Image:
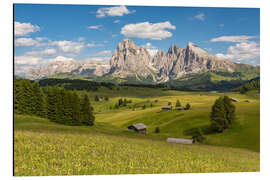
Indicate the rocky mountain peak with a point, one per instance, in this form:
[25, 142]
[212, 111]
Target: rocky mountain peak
[130, 60]
[192, 47]
[126, 44]
[174, 49]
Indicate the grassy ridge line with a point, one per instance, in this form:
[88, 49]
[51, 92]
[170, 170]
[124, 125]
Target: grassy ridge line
[41, 150]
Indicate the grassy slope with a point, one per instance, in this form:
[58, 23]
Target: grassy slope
[245, 133]
[45, 148]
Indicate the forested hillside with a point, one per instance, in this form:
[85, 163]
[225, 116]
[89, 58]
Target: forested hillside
[55, 103]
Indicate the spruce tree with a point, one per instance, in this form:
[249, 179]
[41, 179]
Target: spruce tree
[218, 115]
[87, 112]
[76, 109]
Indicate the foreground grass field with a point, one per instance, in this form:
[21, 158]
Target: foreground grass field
[45, 148]
[51, 149]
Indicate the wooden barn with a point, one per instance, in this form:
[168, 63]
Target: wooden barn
[181, 140]
[166, 108]
[140, 128]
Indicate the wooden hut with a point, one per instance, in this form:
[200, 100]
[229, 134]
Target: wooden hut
[234, 100]
[140, 128]
[166, 108]
[181, 140]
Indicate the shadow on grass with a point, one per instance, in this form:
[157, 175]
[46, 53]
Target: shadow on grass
[206, 130]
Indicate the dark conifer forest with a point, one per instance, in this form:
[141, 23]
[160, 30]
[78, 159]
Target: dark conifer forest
[53, 102]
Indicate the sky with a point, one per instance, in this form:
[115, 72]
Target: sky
[46, 33]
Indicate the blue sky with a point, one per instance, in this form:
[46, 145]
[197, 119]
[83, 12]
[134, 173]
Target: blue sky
[45, 33]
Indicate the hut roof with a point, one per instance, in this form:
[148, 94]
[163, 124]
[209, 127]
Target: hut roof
[166, 107]
[180, 140]
[139, 126]
[235, 100]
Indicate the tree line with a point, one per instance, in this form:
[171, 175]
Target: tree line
[253, 84]
[55, 103]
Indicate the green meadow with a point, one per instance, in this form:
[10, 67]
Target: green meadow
[42, 147]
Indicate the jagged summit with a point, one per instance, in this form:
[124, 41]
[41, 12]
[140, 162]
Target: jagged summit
[129, 60]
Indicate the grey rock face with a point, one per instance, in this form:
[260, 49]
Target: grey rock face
[130, 60]
[179, 62]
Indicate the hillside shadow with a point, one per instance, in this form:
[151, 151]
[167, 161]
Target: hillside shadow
[206, 130]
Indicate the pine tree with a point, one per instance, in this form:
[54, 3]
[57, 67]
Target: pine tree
[178, 104]
[87, 112]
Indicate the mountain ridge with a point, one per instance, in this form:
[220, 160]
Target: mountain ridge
[129, 60]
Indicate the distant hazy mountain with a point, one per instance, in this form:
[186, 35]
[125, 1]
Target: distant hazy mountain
[131, 61]
[96, 68]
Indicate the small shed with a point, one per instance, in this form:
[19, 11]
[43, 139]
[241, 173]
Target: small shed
[181, 108]
[234, 100]
[247, 101]
[140, 128]
[156, 100]
[166, 108]
[181, 141]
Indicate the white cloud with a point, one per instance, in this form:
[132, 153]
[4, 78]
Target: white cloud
[68, 46]
[98, 59]
[200, 16]
[149, 45]
[94, 27]
[146, 30]
[22, 29]
[41, 38]
[242, 51]
[61, 58]
[27, 60]
[152, 52]
[116, 21]
[114, 35]
[26, 42]
[242, 38]
[94, 45]
[113, 11]
[103, 53]
[45, 52]
[151, 49]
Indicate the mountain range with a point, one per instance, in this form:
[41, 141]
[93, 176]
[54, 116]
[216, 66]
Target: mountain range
[131, 61]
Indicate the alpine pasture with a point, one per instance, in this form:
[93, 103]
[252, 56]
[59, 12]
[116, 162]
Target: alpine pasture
[42, 147]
